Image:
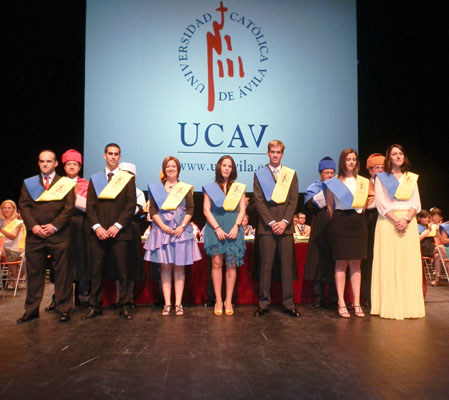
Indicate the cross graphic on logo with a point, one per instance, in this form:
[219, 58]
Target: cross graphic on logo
[215, 44]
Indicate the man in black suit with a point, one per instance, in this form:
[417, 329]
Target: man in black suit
[275, 229]
[109, 217]
[48, 233]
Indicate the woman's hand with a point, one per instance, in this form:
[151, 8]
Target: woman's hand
[220, 234]
[401, 225]
[167, 229]
[178, 231]
[233, 232]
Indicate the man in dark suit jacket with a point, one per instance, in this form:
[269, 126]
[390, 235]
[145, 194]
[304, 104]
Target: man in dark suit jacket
[111, 231]
[275, 231]
[48, 233]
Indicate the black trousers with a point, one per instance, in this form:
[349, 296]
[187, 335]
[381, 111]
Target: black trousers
[99, 250]
[36, 254]
[282, 248]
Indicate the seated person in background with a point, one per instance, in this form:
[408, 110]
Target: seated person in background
[443, 238]
[12, 229]
[427, 233]
[301, 228]
[436, 218]
[247, 229]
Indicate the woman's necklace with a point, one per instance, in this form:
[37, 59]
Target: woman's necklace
[169, 185]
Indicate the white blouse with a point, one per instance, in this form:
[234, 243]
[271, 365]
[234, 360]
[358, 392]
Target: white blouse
[385, 203]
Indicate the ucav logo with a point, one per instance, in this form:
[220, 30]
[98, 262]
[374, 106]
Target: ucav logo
[235, 51]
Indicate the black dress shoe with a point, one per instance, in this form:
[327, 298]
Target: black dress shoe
[92, 313]
[317, 302]
[293, 312]
[124, 313]
[261, 312]
[27, 317]
[65, 316]
[50, 307]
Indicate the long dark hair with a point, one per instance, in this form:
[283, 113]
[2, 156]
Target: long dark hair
[342, 163]
[219, 178]
[389, 165]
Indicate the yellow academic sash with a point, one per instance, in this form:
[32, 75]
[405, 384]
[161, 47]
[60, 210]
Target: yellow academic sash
[282, 186]
[175, 197]
[58, 191]
[361, 192]
[406, 186]
[115, 185]
[233, 196]
[433, 231]
[11, 226]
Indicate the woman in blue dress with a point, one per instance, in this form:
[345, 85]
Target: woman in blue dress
[171, 242]
[223, 235]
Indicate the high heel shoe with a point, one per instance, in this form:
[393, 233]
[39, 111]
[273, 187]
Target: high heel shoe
[166, 310]
[218, 311]
[179, 310]
[358, 311]
[343, 312]
[229, 311]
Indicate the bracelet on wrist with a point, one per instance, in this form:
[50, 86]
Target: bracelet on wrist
[218, 227]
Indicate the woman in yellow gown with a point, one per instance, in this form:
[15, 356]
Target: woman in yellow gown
[396, 290]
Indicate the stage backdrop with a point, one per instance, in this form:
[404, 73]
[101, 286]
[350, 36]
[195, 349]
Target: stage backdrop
[201, 78]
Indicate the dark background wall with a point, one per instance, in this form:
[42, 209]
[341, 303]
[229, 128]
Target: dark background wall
[403, 64]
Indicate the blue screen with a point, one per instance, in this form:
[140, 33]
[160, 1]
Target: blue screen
[199, 79]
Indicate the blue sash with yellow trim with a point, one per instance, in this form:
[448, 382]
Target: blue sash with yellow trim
[340, 190]
[266, 181]
[34, 187]
[215, 193]
[99, 181]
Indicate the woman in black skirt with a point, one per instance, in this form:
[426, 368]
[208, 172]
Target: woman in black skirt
[349, 233]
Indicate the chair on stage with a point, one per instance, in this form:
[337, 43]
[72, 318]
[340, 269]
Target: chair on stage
[444, 263]
[6, 276]
[429, 268]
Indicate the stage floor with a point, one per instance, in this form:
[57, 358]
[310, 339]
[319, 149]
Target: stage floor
[201, 356]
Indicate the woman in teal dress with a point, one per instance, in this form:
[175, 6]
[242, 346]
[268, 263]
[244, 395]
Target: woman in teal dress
[223, 235]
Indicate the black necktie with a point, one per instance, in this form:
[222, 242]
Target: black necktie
[110, 175]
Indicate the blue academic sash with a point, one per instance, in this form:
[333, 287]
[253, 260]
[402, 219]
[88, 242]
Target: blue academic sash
[315, 188]
[215, 193]
[157, 190]
[34, 187]
[266, 181]
[445, 226]
[390, 182]
[421, 228]
[99, 181]
[340, 190]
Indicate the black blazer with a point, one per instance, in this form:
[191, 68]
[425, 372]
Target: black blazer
[107, 212]
[57, 213]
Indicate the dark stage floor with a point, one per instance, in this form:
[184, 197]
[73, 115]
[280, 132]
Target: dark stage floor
[201, 356]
